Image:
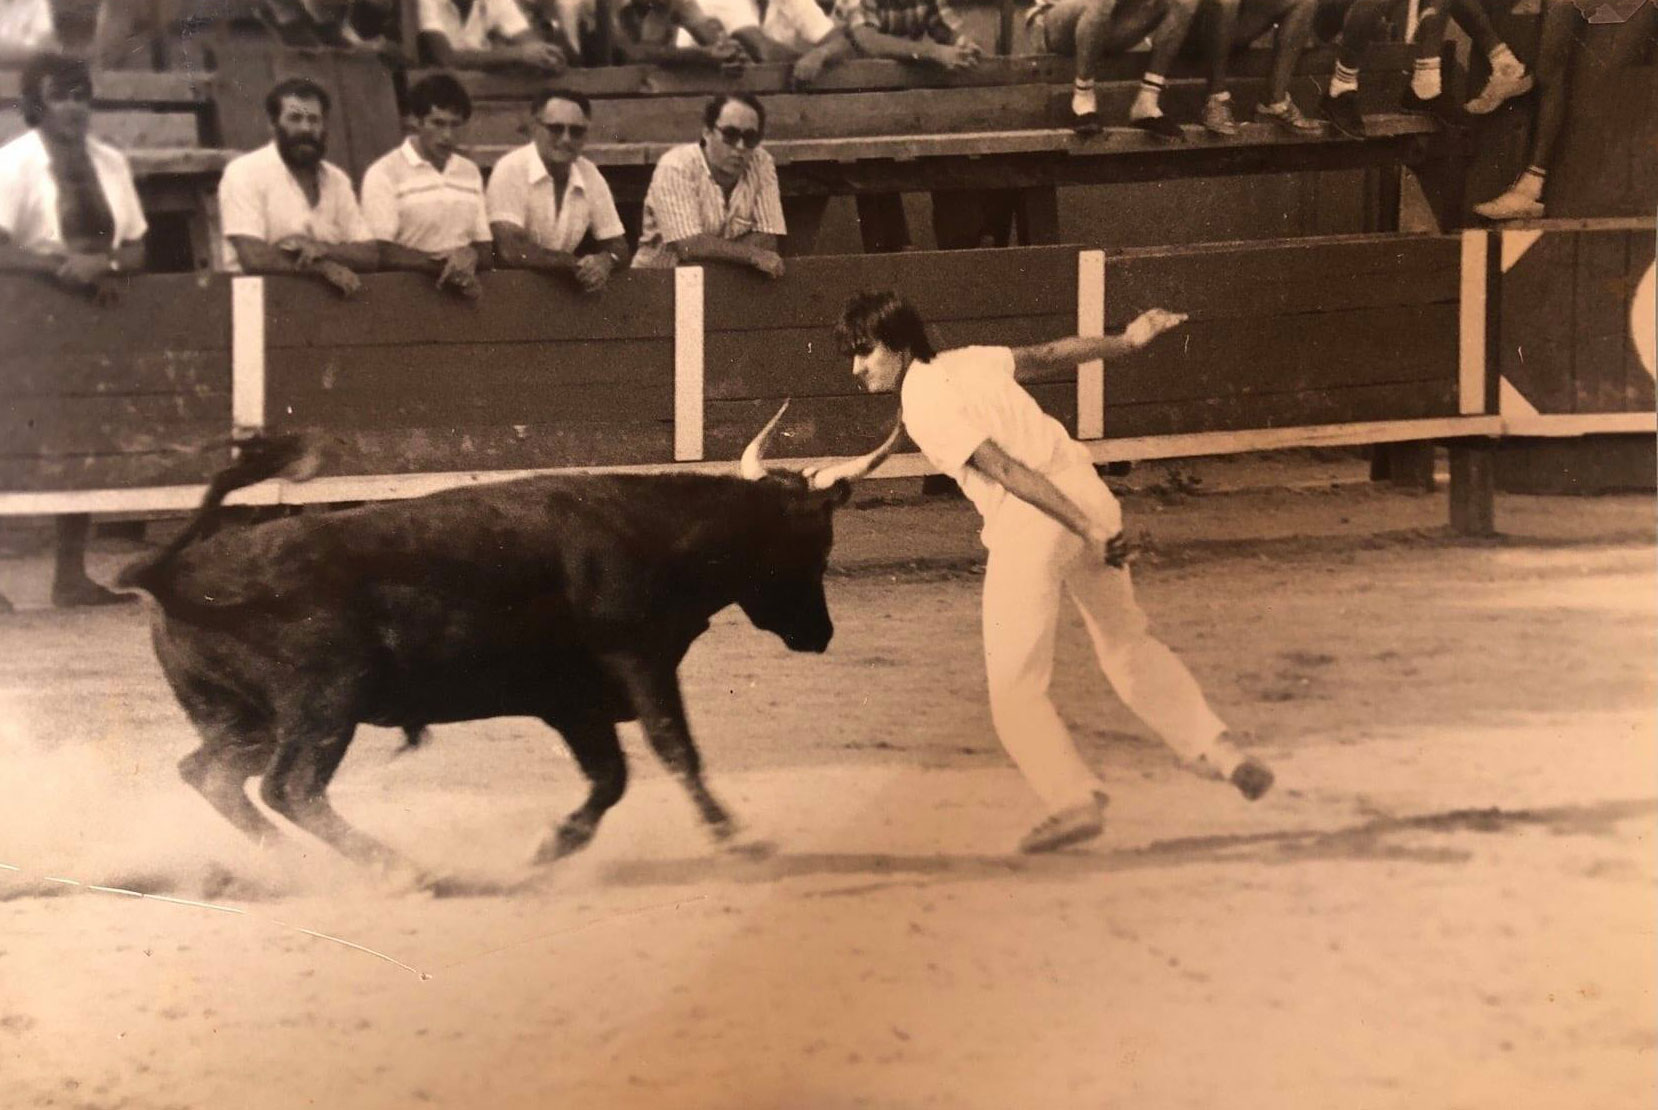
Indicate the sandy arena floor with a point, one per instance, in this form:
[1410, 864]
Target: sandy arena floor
[1448, 902]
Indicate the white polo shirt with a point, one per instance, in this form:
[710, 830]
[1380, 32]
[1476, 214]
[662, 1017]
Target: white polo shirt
[966, 396]
[29, 194]
[499, 17]
[522, 193]
[684, 200]
[259, 198]
[408, 200]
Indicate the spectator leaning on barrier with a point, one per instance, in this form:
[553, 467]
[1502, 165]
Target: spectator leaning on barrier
[483, 34]
[286, 211]
[805, 33]
[423, 201]
[716, 200]
[927, 32]
[68, 211]
[646, 32]
[546, 200]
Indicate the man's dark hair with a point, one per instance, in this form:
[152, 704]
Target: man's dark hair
[716, 104]
[299, 88]
[63, 71]
[882, 316]
[440, 90]
[578, 99]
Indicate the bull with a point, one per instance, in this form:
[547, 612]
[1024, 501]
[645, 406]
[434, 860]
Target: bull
[571, 598]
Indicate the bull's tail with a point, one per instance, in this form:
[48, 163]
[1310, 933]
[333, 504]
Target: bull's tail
[257, 458]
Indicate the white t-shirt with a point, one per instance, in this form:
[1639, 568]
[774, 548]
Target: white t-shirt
[29, 194]
[259, 198]
[408, 200]
[796, 24]
[522, 192]
[967, 396]
[499, 17]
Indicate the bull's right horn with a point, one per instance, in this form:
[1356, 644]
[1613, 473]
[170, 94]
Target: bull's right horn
[752, 467]
[852, 469]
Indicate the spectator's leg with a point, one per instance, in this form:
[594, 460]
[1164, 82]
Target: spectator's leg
[1081, 29]
[1524, 199]
[1217, 28]
[1426, 80]
[70, 584]
[1166, 41]
[1295, 28]
[1508, 77]
[1362, 26]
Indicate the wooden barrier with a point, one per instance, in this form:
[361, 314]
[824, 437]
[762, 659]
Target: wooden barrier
[1352, 340]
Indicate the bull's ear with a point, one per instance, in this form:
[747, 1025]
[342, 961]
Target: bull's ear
[835, 496]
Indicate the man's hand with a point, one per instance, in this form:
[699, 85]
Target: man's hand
[83, 271]
[807, 70]
[730, 56]
[460, 272]
[767, 262]
[307, 252]
[543, 56]
[962, 56]
[1110, 550]
[339, 277]
[593, 271]
[1151, 324]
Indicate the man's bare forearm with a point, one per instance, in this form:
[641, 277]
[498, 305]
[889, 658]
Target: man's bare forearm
[1029, 485]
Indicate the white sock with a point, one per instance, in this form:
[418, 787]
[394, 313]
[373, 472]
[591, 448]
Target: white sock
[1424, 78]
[1146, 102]
[1502, 58]
[1082, 97]
[1344, 80]
[1531, 182]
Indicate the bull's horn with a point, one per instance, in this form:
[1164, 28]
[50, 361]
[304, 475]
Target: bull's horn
[752, 467]
[853, 469]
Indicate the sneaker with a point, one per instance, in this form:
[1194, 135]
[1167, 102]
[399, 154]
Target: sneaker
[1252, 778]
[1512, 205]
[1505, 84]
[1075, 825]
[1440, 107]
[1343, 113]
[1086, 124]
[1217, 116]
[1287, 117]
[1161, 127]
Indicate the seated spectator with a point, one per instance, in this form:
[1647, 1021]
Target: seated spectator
[926, 32]
[546, 200]
[1365, 21]
[26, 29]
[483, 34]
[1223, 26]
[646, 30]
[424, 203]
[286, 211]
[802, 32]
[69, 212]
[716, 200]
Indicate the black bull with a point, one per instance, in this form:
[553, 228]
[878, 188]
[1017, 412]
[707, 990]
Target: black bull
[570, 598]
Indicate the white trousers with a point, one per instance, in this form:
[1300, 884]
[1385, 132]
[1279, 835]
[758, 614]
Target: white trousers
[1032, 558]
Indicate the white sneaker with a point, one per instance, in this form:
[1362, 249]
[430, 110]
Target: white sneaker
[1505, 84]
[1512, 205]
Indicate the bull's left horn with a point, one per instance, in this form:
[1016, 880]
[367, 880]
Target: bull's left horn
[752, 466]
[853, 469]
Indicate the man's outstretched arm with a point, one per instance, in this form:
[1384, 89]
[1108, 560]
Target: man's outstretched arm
[1036, 362]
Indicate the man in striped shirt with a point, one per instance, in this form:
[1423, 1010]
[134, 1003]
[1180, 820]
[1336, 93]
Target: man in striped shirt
[424, 202]
[923, 31]
[716, 200]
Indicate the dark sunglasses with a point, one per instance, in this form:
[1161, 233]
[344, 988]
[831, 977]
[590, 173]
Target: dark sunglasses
[735, 135]
[578, 131]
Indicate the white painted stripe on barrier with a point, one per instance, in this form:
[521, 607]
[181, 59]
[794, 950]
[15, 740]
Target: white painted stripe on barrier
[247, 352]
[1511, 403]
[688, 364]
[1091, 321]
[392, 486]
[1582, 424]
[1471, 342]
[1516, 244]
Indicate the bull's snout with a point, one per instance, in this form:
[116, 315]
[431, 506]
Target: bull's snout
[814, 641]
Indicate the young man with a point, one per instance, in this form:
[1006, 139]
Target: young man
[483, 34]
[1050, 524]
[546, 200]
[716, 200]
[423, 201]
[284, 210]
[921, 32]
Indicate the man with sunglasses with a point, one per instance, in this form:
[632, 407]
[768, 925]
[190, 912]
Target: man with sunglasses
[716, 200]
[546, 201]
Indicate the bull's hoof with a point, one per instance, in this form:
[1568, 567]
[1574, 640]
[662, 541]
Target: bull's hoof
[570, 838]
[733, 840]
